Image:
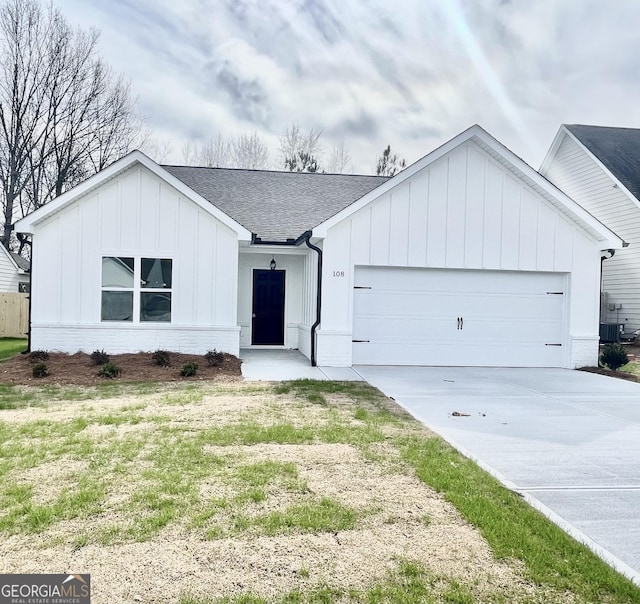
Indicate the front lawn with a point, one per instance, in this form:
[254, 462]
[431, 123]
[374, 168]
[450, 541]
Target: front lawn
[299, 492]
[10, 347]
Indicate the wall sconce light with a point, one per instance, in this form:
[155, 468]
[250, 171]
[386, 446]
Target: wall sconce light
[272, 264]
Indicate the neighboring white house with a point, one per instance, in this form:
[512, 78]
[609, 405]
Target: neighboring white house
[599, 167]
[467, 257]
[14, 272]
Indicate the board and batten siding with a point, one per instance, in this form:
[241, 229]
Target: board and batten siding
[135, 214]
[582, 178]
[309, 299]
[464, 211]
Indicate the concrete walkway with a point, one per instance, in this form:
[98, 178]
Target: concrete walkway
[568, 441]
[275, 365]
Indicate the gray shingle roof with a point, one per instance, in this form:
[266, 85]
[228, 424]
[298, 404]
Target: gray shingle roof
[21, 261]
[276, 206]
[617, 148]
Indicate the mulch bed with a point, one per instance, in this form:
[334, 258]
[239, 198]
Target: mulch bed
[80, 369]
[633, 352]
[616, 374]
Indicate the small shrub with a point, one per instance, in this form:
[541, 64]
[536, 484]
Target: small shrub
[38, 356]
[614, 356]
[109, 370]
[40, 370]
[161, 358]
[214, 358]
[189, 369]
[99, 357]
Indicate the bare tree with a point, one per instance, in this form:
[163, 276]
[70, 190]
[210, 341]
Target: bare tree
[300, 151]
[63, 114]
[24, 70]
[389, 164]
[215, 153]
[189, 153]
[250, 151]
[339, 160]
[158, 149]
[116, 123]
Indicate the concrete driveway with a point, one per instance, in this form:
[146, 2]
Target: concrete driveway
[569, 441]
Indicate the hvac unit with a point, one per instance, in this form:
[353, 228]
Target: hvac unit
[610, 332]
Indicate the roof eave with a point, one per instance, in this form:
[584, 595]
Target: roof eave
[289, 241]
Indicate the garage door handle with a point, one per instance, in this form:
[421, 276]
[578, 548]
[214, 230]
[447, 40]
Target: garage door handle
[460, 322]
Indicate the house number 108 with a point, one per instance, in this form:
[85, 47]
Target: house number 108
[338, 273]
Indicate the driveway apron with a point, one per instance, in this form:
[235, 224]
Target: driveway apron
[568, 441]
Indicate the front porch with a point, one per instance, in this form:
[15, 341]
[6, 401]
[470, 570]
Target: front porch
[277, 297]
[275, 365]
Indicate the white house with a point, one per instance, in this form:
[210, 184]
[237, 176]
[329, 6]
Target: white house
[467, 257]
[14, 271]
[599, 167]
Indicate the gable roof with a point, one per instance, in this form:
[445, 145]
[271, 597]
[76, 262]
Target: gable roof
[617, 149]
[26, 224]
[276, 206]
[518, 167]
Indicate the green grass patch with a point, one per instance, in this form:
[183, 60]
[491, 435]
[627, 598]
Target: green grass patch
[10, 347]
[18, 397]
[124, 417]
[251, 432]
[514, 529]
[323, 515]
[409, 583]
[23, 515]
[191, 394]
[262, 473]
[632, 367]
[315, 391]
[12, 397]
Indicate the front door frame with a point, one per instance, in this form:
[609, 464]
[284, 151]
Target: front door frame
[280, 339]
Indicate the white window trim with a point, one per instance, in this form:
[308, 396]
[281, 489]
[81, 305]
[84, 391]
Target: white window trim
[137, 288]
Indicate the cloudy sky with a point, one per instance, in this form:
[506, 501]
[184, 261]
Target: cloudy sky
[409, 73]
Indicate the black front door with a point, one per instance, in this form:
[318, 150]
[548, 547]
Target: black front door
[267, 326]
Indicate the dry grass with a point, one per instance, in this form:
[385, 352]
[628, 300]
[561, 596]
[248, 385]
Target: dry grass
[194, 493]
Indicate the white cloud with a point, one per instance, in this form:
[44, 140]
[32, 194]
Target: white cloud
[373, 74]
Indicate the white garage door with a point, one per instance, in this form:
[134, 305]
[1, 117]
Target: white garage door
[404, 316]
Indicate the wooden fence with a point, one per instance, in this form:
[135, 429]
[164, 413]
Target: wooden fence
[14, 315]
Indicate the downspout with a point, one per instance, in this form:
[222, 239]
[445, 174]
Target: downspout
[30, 297]
[314, 327]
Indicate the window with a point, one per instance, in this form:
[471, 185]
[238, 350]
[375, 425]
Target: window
[136, 287]
[155, 280]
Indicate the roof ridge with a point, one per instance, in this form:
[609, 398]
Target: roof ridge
[263, 171]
